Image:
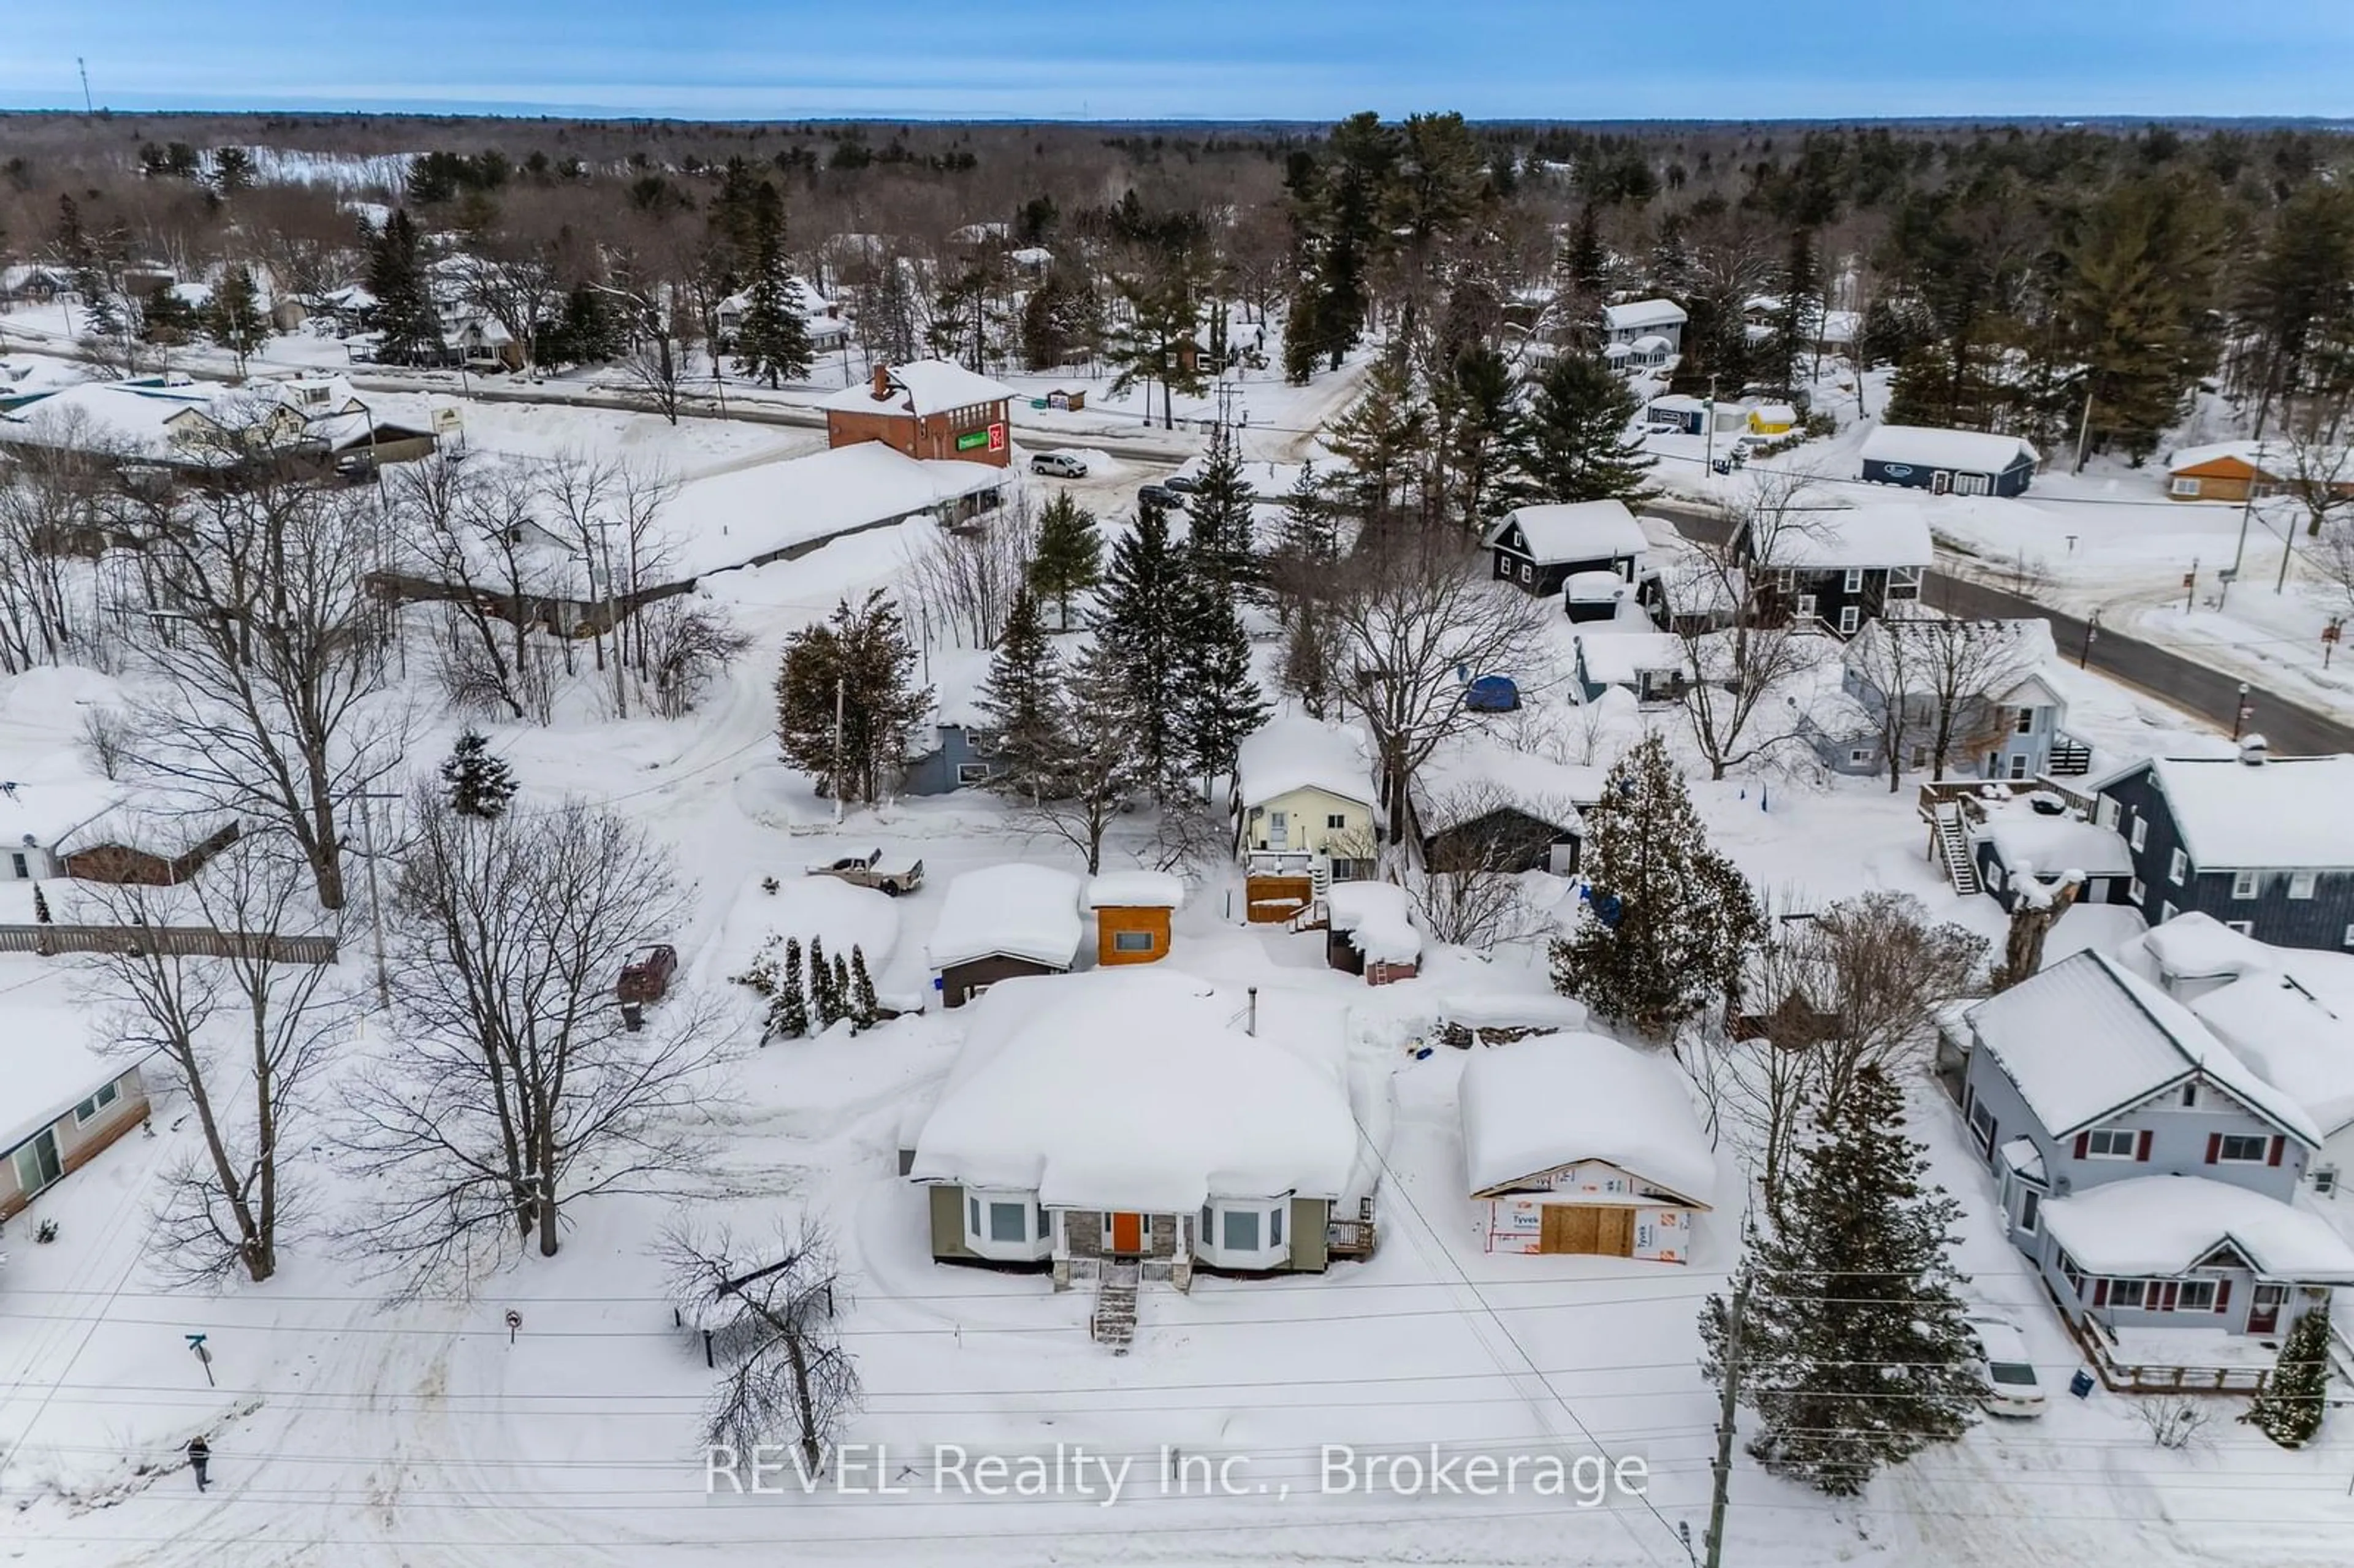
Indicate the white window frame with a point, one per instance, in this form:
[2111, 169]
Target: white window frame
[2138, 834]
[2141, 1295]
[2182, 487]
[1904, 582]
[2223, 1155]
[2245, 884]
[1119, 942]
[972, 773]
[2165, 912]
[2182, 1301]
[2031, 1210]
[1983, 1136]
[2135, 892]
[1850, 620]
[1853, 581]
[2177, 866]
[2100, 1143]
[2244, 928]
[87, 1110]
[2301, 884]
[1336, 822]
[1037, 1226]
[1858, 755]
[1274, 1216]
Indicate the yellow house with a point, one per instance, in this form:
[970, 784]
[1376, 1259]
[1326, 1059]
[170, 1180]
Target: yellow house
[1305, 795]
[1773, 420]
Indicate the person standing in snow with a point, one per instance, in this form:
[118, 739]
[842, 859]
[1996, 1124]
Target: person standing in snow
[200, 1455]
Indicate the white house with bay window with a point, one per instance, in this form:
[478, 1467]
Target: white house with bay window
[2148, 1171]
[1139, 1117]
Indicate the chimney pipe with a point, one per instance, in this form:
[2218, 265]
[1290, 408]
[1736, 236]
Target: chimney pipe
[882, 381]
[1251, 1027]
[2254, 750]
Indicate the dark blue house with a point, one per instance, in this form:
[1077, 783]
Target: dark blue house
[1958, 462]
[2264, 844]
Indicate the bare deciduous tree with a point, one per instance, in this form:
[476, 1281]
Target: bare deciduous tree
[686, 643]
[1469, 892]
[239, 1034]
[1879, 965]
[961, 584]
[269, 700]
[515, 1088]
[1959, 668]
[1741, 658]
[772, 1320]
[1405, 619]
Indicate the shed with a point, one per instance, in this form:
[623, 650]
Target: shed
[1538, 547]
[1688, 414]
[1002, 921]
[1773, 420]
[1132, 911]
[1964, 462]
[1370, 932]
[1574, 1143]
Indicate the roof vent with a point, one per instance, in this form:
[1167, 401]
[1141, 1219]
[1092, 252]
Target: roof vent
[2254, 750]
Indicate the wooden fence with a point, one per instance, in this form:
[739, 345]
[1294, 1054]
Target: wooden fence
[184, 941]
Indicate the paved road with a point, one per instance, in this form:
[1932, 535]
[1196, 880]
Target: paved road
[2293, 729]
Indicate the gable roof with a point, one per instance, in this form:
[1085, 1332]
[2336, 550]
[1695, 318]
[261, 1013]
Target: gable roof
[1924, 446]
[921, 386]
[1132, 1088]
[2088, 1038]
[55, 1051]
[1638, 313]
[2011, 653]
[1292, 751]
[2166, 1224]
[1573, 531]
[1551, 1100]
[2283, 813]
[1019, 910]
[1468, 774]
[1889, 534]
[2241, 454]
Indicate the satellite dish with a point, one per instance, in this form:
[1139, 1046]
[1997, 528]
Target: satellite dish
[32, 843]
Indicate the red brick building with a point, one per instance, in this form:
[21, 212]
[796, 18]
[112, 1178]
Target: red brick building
[930, 409]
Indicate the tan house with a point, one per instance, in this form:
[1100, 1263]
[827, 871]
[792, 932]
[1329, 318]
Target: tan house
[1304, 797]
[1574, 1143]
[64, 1101]
[928, 409]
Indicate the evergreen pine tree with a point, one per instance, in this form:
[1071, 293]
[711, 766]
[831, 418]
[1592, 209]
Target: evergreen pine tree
[1381, 443]
[837, 986]
[788, 1014]
[1670, 921]
[863, 657]
[822, 1001]
[1480, 394]
[865, 1010]
[1103, 768]
[1141, 612]
[1853, 1346]
[41, 915]
[1069, 556]
[1798, 323]
[1307, 546]
[165, 318]
[1021, 700]
[1218, 701]
[406, 326]
[2289, 1407]
[773, 342]
[233, 318]
[1572, 442]
[1221, 539]
[478, 781]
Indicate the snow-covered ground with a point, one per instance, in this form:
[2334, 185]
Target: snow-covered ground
[347, 1430]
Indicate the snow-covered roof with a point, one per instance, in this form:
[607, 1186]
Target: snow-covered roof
[1652, 343]
[136, 419]
[1635, 315]
[1468, 772]
[1924, 446]
[732, 518]
[2196, 946]
[1573, 531]
[1619, 658]
[1775, 414]
[1513, 1009]
[1597, 587]
[2248, 452]
[1136, 890]
[1551, 1100]
[52, 1054]
[2052, 845]
[2005, 653]
[1886, 534]
[1136, 1088]
[2284, 813]
[2166, 1224]
[1293, 751]
[2299, 1044]
[1018, 910]
[1377, 919]
[2087, 1038]
[921, 386]
[1678, 403]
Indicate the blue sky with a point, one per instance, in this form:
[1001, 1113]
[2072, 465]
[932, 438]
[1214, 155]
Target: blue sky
[1310, 59]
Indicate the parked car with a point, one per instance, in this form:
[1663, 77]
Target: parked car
[1061, 465]
[871, 870]
[2010, 1385]
[1159, 495]
[648, 973]
[1182, 483]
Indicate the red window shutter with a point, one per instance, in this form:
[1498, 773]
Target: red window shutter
[2222, 1295]
[2100, 1293]
[2273, 1157]
[2214, 1147]
[2165, 1300]
[2141, 1149]
[2084, 1143]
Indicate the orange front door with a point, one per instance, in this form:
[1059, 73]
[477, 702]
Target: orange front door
[1128, 1232]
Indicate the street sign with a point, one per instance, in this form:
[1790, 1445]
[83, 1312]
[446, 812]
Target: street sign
[446, 421]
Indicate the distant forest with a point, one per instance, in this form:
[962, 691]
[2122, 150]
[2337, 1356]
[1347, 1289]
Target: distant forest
[2069, 282]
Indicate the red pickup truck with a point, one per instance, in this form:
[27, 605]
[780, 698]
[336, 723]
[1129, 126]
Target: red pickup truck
[648, 973]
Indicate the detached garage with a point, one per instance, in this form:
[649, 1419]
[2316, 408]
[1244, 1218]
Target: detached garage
[1577, 1144]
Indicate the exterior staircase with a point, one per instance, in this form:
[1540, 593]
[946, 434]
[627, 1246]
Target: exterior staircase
[2071, 757]
[1113, 1321]
[1954, 848]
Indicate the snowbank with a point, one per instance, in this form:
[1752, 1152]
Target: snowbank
[1136, 890]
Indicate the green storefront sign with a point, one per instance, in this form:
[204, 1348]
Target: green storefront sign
[972, 438]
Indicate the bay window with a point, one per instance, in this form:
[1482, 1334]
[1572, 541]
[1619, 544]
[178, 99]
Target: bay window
[1244, 1232]
[1007, 1227]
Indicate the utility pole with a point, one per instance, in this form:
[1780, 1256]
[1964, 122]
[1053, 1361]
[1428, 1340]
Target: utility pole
[375, 902]
[840, 690]
[2247, 506]
[82, 66]
[1722, 1469]
[1708, 424]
